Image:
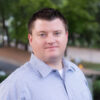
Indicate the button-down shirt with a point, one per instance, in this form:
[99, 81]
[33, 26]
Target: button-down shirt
[35, 80]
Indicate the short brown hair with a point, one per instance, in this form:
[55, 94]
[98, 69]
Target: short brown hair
[46, 14]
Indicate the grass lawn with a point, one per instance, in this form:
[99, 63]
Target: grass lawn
[93, 66]
[96, 83]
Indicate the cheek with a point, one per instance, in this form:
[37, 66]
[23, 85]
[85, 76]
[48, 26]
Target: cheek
[64, 39]
[34, 44]
[64, 43]
[37, 45]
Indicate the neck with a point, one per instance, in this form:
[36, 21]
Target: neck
[55, 65]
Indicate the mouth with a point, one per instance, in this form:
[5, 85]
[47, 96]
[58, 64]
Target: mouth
[51, 47]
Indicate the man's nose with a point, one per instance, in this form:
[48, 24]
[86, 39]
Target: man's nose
[50, 39]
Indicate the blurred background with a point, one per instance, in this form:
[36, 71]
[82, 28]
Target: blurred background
[84, 35]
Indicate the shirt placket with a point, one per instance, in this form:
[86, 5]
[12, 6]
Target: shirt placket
[67, 86]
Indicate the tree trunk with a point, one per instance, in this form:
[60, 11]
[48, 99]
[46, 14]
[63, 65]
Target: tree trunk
[16, 43]
[26, 46]
[5, 28]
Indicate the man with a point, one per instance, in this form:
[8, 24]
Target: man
[48, 75]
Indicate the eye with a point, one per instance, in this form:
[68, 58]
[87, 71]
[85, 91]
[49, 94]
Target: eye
[57, 33]
[42, 35]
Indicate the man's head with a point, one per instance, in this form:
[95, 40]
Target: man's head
[46, 14]
[48, 35]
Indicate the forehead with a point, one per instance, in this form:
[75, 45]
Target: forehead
[49, 24]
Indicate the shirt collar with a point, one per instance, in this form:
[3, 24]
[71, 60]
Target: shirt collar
[68, 66]
[44, 69]
[40, 66]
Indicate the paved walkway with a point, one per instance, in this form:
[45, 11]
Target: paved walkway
[84, 54]
[14, 55]
[19, 57]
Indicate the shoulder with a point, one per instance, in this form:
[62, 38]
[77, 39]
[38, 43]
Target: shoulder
[18, 77]
[77, 71]
[73, 65]
[15, 83]
[12, 84]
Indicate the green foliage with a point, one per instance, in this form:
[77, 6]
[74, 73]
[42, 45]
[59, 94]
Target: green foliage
[82, 22]
[96, 90]
[5, 8]
[83, 18]
[21, 15]
[2, 78]
[94, 66]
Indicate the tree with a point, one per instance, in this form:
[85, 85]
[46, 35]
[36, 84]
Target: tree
[21, 15]
[81, 20]
[4, 15]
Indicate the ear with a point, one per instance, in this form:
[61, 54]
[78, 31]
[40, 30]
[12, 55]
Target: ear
[30, 38]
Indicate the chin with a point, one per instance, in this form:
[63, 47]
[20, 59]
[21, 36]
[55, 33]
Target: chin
[53, 56]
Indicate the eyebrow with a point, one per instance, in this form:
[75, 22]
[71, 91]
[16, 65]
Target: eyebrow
[47, 32]
[41, 32]
[58, 31]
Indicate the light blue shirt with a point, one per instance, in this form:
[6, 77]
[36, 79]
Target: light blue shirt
[35, 80]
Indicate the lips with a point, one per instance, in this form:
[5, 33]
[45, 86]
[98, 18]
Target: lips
[51, 47]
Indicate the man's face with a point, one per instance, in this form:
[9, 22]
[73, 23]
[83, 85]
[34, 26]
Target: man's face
[48, 39]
